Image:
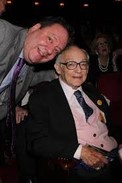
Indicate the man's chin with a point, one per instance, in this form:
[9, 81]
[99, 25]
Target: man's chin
[38, 61]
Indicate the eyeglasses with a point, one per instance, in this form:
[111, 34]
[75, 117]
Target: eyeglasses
[71, 65]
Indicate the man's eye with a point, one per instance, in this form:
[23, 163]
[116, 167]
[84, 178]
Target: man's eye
[83, 64]
[70, 64]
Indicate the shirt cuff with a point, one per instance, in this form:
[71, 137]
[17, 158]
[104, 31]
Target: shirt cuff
[77, 154]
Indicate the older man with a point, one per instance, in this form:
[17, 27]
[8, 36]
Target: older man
[59, 126]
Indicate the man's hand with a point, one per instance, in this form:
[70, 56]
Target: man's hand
[20, 114]
[93, 158]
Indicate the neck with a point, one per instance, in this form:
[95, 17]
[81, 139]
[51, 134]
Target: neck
[103, 60]
[103, 63]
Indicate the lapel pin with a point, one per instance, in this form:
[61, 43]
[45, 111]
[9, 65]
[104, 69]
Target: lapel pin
[99, 102]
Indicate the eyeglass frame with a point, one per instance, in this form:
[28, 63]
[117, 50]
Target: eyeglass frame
[76, 64]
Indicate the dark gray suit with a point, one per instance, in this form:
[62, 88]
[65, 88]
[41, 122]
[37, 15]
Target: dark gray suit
[11, 43]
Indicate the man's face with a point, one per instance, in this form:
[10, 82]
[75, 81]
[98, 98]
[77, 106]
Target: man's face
[77, 76]
[43, 44]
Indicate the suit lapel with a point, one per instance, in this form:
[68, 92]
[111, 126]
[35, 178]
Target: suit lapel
[25, 82]
[95, 96]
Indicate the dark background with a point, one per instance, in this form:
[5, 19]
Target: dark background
[23, 12]
[101, 15]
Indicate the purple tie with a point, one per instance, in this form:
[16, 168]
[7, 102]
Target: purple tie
[11, 116]
[87, 109]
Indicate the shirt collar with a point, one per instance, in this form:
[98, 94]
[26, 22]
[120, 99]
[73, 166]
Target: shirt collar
[21, 54]
[67, 89]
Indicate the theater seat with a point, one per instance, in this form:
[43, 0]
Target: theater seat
[110, 85]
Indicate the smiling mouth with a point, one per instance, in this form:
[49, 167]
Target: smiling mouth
[77, 77]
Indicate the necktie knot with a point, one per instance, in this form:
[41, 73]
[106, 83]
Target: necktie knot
[86, 108]
[78, 94]
[18, 68]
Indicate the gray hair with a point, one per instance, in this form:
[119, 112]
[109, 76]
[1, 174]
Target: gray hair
[58, 58]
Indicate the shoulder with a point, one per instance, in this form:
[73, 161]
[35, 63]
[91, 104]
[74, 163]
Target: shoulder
[42, 92]
[44, 88]
[39, 93]
[40, 87]
[7, 25]
[42, 75]
[88, 87]
[7, 29]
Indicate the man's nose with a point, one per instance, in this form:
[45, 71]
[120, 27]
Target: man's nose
[50, 50]
[78, 68]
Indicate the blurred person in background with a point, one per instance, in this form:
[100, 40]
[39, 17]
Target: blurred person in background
[101, 58]
[2, 6]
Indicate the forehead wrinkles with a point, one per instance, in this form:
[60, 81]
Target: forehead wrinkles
[73, 55]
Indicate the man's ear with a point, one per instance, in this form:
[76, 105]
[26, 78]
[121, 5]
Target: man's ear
[34, 28]
[57, 68]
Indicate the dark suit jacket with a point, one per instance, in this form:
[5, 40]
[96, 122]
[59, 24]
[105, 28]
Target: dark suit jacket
[51, 128]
